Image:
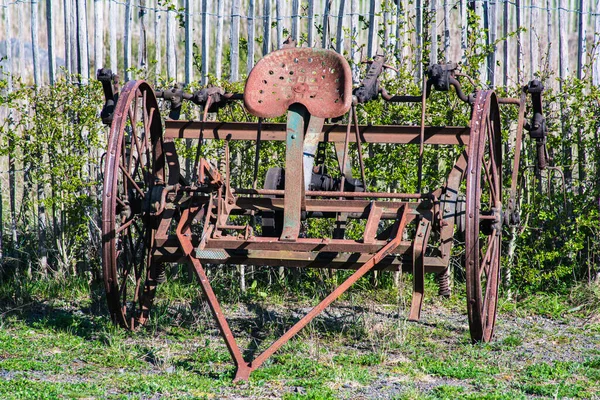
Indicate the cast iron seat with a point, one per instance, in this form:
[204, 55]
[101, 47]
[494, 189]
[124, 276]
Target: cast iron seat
[319, 79]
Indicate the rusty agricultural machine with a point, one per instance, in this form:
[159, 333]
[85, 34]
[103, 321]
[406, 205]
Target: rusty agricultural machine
[152, 214]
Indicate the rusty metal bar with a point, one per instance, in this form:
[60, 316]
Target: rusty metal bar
[387, 249]
[293, 178]
[273, 243]
[399, 134]
[296, 259]
[321, 193]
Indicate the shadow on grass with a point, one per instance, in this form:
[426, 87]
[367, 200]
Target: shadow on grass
[43, 309]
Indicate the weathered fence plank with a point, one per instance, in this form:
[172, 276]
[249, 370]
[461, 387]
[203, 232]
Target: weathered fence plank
[7, 30]
[325, 37]
[205, 41]
[279, 18]
[581, 39]
[267, 27]
[51, 46]
[433, 57]
[127, 41]
[311, 23]
[157, 42]
[219, 44]
[493, 35]
[371, 39]
[296, 21]
[596, 56]
[534, 37]
[339, 40]
[235, 41]
[34, 44]
[251, 37]
[189, 54]
[112, 12]
[171, 43]
[385, 27]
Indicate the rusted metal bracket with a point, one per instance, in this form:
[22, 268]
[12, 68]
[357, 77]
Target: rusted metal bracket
[244, 368]
[294, 180]
[419, 247]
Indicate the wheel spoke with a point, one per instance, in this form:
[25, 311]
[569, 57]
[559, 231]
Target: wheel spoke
[493, 156]
[490, 181]
[485, 261]
[133, 182]
[126, 225]
[491, 283]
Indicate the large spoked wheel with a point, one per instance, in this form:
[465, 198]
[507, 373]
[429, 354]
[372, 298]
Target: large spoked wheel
[483, 227]
[134, 166]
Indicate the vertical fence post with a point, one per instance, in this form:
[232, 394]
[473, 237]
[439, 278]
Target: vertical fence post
[563, 58]
[446, 30]
[596, 56]
[251, 37]
[51, 49]
[354, 53]
[325, 38]
[534, 38]
[519, 43]
[311, 22]
[35, 43]
[482, 12]
[581, 39]
[157, 42]
[419, 40]
[8, 62]
[112, 13]
[82, 32]
[279, 18]
[386, 26]
[400, 31]
[20, 43]
[492, 34]
[581, 60]
[267, 27]
[171, 44]
[67, 24]
[296, 21]
[549, 36]
[505, 46]
[219, 46]
[205, 40]
[463, 30]
[339, 42]
[235, 40]
[75, 56]
[189, 54]
[142, 49]
[371, 40]
[98, 34]
[433, 57]
[127, 41]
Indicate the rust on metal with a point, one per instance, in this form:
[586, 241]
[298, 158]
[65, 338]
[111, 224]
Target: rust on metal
[319, 79]
[152, 214]
[448, 135]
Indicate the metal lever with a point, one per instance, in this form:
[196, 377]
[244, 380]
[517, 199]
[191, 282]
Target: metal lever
[537, 126]
[369, 88]
[110, 85]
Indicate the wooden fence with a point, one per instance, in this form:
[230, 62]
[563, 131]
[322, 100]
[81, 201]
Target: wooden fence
[187, 40]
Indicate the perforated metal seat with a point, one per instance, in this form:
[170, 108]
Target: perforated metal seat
[319, 79]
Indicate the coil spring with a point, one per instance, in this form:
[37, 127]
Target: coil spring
[443, 281]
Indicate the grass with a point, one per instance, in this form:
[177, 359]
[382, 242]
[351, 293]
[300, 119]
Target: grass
[56, 341]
